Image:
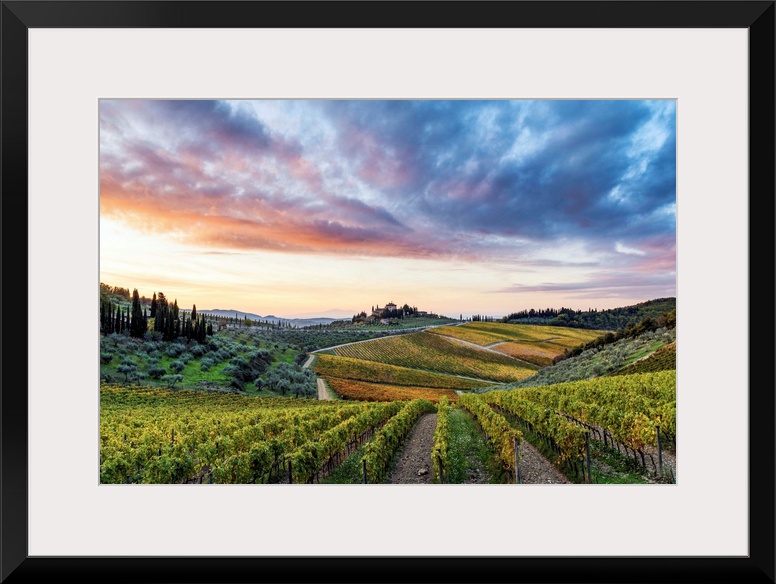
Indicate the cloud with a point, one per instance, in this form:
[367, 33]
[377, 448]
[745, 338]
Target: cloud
[603, 284]
[465, 179]
[620, 248]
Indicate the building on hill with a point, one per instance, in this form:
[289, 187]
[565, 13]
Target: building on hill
[377, 310]
[389, 311]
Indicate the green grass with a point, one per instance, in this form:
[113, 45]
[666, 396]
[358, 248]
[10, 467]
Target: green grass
[349, 472]
[643, 352]
[612, 468]
[287, 356]
[333, 394]
[470, 453]
[193, 376]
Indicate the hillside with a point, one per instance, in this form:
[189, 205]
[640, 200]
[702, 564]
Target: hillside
[610, 320]
[610, 359]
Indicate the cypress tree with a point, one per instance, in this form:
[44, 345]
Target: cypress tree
[153, 306]
[136, 329]
[161, 314]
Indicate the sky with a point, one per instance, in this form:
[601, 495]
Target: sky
[329, 207]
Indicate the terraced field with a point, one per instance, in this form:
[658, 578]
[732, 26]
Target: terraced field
[330, 366]
[539, 354]
[363, 391]
[531, 343]
[439, 354]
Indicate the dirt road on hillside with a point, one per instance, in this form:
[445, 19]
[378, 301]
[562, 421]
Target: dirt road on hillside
[323, 390]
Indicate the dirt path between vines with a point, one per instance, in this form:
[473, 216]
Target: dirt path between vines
[537, 470]
[414, 464]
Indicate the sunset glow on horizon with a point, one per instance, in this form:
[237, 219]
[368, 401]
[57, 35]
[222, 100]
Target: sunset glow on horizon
[299, 207]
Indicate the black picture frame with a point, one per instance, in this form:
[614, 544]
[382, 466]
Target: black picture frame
[19, 16]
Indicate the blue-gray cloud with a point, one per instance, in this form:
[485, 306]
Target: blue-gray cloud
[471, 179]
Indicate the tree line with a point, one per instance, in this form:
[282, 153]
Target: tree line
[164, 318]
[665, 320]
[611, 319]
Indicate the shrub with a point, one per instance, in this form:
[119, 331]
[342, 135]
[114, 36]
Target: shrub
[127, 367]
[176, 366]
[290, 379]
[156, 372]
[174, 349]
[171, 380]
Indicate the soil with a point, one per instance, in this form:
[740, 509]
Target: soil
[537, 470]
[323, 390]
[414, 464]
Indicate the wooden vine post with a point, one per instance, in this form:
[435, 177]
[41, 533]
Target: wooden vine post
[587, 456]
[659, 450]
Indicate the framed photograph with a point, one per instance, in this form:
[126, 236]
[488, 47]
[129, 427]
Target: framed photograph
[466, 153]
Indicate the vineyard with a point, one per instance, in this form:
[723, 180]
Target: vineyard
[534, 344]
[612, 428]
[152, 435]
[160, 436]
[636, 414]
[661, 360]
[361, 390]
[329, 366]
[489, 333]
[431, 352]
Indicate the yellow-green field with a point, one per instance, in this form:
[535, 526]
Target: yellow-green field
[532, 343]
[363, 391]
[439, 354]
[446, 359]
[332, 366]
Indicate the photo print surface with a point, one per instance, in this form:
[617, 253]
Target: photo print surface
[387, 291]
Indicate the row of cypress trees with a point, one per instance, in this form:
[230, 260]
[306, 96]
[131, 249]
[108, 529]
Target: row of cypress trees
[167, 319]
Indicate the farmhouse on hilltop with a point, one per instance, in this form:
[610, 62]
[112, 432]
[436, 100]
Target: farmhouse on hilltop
[391, 313]
[377, 311]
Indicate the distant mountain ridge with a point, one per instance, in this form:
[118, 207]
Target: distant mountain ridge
[239, 314]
